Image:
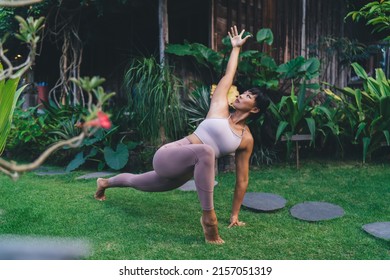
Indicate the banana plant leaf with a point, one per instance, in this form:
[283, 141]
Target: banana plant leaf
[9, 95]
[360, 129]
[387, 136]
[302, 96]
[281, 127]
[359, 70]
[383, 82]
[311, 124]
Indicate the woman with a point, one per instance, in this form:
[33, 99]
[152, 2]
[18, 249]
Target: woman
[221, 133]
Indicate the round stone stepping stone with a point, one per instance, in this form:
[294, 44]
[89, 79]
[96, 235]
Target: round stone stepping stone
[379, 229]
[190, 186]
[96, 175]
[263, 202]
[316, 211]
[51, 173]
[43, 168]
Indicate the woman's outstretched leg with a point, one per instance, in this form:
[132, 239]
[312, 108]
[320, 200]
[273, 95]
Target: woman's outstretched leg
[147, 182]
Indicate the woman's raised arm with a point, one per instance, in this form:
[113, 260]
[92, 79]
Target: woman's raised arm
[219, 104]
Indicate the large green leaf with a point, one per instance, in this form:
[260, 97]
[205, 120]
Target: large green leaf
[302, 96]
[281, 127]
[207, 53]
[314, 86]
[282, 102]
[116, 159]
[333, 127]
[311, 124]
[291, 68]
[293, 114]
[76, 162]
[383, 82]
[275, 112]
[90, 141]
[265, 35]
[358, 99]
[359, 70]
[200, 52]
[360, 129]
[249, 54]
[9, 95]
[311, 68]
[246, 67]
[377, 120]
[381, 76]
[268, 62]
[179, 49]
[80, 159]
[373, 88]
[272, 84]
[387, 136]
[92, 153]
[325, 110]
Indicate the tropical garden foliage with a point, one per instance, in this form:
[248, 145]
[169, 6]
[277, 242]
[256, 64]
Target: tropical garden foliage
[8, 98]
[89, 121]
[376, 14]
[154, 100]
[366, 111]
[10, 75]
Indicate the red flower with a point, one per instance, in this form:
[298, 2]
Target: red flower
[102, 121]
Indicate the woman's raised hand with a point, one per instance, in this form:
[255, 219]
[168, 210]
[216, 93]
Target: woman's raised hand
[236, 39]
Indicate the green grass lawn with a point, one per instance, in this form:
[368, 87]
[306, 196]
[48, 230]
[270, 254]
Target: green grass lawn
[136, 225]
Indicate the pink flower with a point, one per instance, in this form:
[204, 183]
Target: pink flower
[102, 121]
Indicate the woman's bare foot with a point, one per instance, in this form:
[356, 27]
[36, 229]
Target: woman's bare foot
[102, 184]
[210, 228]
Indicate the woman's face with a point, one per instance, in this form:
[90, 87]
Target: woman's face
[245, 101]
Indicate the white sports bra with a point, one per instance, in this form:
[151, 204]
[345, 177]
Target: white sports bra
[217, 133]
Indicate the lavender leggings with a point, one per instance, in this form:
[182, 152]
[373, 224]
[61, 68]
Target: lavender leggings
[174, 164]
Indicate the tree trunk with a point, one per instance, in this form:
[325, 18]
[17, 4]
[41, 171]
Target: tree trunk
[163, 28]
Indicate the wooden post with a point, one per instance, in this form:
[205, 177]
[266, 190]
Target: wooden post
[163, 27]
[212, 42]
[303, 34]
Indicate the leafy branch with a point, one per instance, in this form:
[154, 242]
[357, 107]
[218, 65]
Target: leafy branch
[29, 31]
[377, 14]
[17, 3]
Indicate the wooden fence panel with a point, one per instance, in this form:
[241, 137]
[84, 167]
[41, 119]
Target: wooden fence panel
[285, 19]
